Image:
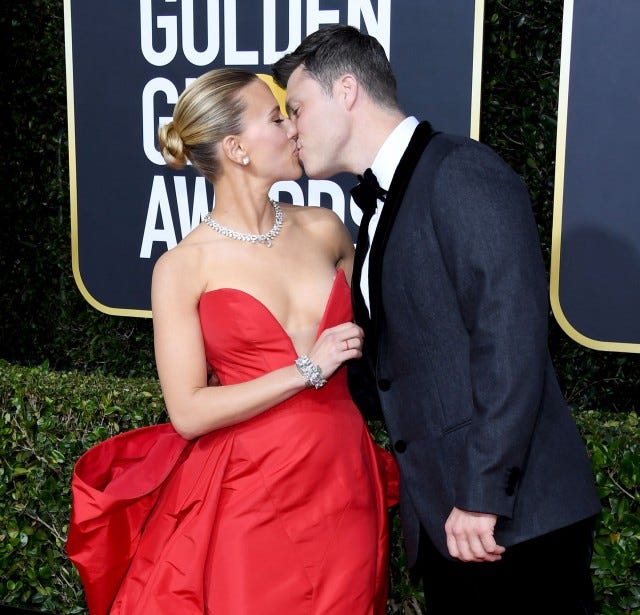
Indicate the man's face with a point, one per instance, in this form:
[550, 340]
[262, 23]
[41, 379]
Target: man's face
[321, 122]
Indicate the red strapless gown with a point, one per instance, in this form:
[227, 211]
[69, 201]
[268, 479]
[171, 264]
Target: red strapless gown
[283, 514]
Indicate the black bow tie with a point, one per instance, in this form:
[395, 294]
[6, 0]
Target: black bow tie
[367, 192]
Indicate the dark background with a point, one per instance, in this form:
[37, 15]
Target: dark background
[45, 320]
[599, 281]
[431, 49]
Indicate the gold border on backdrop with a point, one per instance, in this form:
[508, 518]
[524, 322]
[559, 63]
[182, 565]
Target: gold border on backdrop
[556, 235]
[73, 186]
[476, 77]
[474, 133]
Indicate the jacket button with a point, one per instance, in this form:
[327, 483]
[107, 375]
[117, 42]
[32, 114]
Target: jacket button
[512, 480]
[400, 446]
[384, 384]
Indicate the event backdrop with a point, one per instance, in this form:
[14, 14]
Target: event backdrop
[595, 270]
[128, 61]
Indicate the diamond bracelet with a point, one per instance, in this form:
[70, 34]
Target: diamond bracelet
[311, 373]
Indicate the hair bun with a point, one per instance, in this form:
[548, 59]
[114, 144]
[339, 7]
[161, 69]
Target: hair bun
[172, 146]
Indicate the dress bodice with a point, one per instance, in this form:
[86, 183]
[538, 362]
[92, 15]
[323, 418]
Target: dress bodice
[244, 340]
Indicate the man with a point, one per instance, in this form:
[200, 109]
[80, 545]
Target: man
[497, 494]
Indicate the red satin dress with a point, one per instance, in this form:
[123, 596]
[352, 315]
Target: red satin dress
[282, 514]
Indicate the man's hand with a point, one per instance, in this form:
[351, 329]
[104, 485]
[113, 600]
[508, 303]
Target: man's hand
[212, 377]
[470, 536]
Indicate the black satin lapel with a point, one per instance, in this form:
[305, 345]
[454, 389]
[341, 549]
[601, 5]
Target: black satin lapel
[419, 141]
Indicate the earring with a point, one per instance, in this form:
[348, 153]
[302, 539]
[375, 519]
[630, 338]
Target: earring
[245, 161]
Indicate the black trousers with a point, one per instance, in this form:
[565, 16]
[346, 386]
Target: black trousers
[548, 575]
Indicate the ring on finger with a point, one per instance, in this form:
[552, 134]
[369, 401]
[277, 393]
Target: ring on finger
[346, 344]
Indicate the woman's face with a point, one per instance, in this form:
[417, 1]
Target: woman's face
[268, 138]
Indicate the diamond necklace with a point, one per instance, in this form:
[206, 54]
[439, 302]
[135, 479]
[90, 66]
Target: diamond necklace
[265, 238]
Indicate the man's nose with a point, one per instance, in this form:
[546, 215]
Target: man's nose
[292, 129]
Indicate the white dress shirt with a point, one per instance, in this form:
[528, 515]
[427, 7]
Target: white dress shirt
[384, 167]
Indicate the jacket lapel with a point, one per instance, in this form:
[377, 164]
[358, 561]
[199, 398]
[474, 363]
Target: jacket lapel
[419, 141]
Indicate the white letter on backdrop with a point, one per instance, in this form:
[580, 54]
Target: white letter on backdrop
[316, 17]
[291, 187]
[159, 84]
[231, 53]
[271, 55]
[167, 23]
[380, 28]
[201, 58]
[159, 200]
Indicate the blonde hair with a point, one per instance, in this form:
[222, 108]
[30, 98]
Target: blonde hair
[208, 110]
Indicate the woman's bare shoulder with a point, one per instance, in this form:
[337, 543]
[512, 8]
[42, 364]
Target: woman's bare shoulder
[322, 225]
[311, 215]
[182, 265]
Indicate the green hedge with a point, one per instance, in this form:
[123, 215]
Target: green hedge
[49, 418]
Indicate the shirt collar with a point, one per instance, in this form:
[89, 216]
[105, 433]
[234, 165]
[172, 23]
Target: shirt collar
[389, 155]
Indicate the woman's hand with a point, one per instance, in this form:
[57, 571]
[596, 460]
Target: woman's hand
[335, 346]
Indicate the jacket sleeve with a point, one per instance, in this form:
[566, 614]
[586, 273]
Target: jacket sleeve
[490, 246]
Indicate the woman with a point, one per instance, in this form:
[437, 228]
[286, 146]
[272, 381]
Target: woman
[271, 498]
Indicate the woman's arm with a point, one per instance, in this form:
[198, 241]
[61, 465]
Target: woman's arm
[195, 408]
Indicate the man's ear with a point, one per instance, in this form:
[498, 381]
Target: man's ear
[347, 89]
[233, 149]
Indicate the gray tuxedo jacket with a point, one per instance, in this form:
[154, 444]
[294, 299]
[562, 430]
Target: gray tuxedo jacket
[455, 354]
